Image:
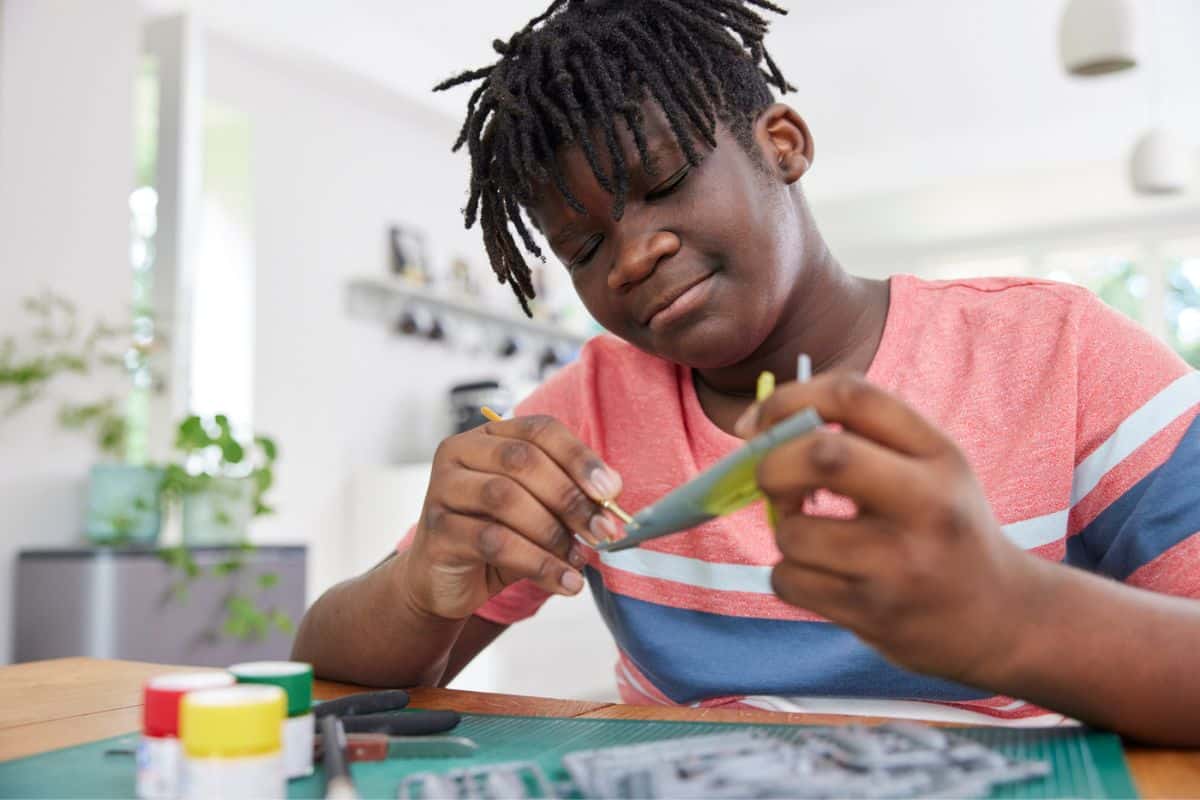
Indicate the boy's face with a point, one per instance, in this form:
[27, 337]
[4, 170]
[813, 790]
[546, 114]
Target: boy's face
[701, 265]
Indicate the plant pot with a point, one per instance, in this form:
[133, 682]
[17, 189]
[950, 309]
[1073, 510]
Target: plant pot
[124, 505]
[219, 513]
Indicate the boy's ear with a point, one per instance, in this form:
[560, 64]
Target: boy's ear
[786, 143]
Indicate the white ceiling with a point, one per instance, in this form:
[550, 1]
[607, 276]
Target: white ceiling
[898, 95]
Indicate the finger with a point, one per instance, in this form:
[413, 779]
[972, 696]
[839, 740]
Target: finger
[850, 548]
[500, 498]
[541, 476]
[834, 597]
[598, 480]
[858, 406]
[487, 541]
[875, 478]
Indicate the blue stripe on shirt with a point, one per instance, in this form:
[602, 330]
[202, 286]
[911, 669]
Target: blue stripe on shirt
[694, 655]
[1151, 517]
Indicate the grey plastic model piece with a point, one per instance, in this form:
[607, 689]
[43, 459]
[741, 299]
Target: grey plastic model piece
[517, 780]
[901, 760]
[692, 503]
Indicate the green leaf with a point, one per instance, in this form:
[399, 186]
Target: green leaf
[122, 524]
[238, 604]
[269, 448]
[267, 580]
[282, 622]
[176, 481]
[227, 567]
[244, 620]
[173, 557]
[236, 627]
[112, 434]
[231, 451]
[191, 435]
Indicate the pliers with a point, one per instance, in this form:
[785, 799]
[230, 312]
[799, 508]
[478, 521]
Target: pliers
[379, 712]
[377, 728]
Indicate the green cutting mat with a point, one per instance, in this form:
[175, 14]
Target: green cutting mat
[1086, 764]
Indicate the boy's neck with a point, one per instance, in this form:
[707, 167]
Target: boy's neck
[834, 317]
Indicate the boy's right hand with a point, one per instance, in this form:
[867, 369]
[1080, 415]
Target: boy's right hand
[503, 504]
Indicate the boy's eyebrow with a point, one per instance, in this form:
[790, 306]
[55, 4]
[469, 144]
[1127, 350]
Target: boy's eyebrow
[663, 147]
[659, 149]
[565, 232]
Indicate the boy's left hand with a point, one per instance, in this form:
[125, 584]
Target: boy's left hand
[923, 572]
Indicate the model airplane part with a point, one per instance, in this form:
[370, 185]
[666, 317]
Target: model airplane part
[509, 781]
[901, 760]
[723, 488]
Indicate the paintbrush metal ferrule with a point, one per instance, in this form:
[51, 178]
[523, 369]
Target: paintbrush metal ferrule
[621, 514]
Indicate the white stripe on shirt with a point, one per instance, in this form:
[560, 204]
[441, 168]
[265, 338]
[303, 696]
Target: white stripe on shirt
[1137, 429]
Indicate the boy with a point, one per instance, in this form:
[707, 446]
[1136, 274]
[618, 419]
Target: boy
[1003, 449]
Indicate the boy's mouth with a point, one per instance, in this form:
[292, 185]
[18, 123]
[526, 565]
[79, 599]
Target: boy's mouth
[675, 301]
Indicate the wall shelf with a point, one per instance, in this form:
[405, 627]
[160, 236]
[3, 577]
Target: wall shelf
[386, 299]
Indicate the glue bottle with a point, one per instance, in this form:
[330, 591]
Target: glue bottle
[232, 743]
[159, 756]
[296, 680]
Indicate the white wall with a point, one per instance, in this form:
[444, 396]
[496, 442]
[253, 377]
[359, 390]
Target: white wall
[334, 162]
[66, 168]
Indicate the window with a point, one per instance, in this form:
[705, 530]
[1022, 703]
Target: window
[1181, 308]
[222, 357]
[1153, 281]
[1112, 273]
[143, 223]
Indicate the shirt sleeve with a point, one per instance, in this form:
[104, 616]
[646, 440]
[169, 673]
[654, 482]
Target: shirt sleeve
[561, 397]
[1135, 496]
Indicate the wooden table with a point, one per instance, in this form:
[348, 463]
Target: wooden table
[46, 705]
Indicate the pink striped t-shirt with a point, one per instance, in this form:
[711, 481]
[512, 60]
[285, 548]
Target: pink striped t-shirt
[1080, 426]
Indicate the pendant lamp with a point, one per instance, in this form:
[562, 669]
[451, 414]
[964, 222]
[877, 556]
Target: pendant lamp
[1096, 37]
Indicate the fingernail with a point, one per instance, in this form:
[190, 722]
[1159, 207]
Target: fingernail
[606, 483]
[572, 581]
[576, 557]
[589, 539]
[745, 424]
[603, 528]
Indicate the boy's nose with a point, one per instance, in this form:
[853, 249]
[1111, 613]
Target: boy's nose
[639, 255]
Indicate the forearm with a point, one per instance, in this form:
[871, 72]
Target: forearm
[1109, 655]
[365, 631]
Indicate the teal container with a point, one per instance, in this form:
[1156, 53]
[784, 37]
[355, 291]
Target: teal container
[218, 512]
[124, 505]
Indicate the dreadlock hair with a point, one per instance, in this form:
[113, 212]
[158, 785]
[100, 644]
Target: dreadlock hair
[579, 67]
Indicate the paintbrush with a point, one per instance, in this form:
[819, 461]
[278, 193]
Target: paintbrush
[607, 503]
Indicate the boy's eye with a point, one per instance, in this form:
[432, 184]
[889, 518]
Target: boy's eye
[586, 252]
[670, 184]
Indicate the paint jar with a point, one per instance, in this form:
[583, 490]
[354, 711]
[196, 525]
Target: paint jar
[159, 754]
[232, 743]
[296, 680]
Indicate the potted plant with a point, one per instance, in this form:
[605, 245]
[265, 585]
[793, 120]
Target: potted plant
[125, 500]
[221, 482]
[124, 497]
